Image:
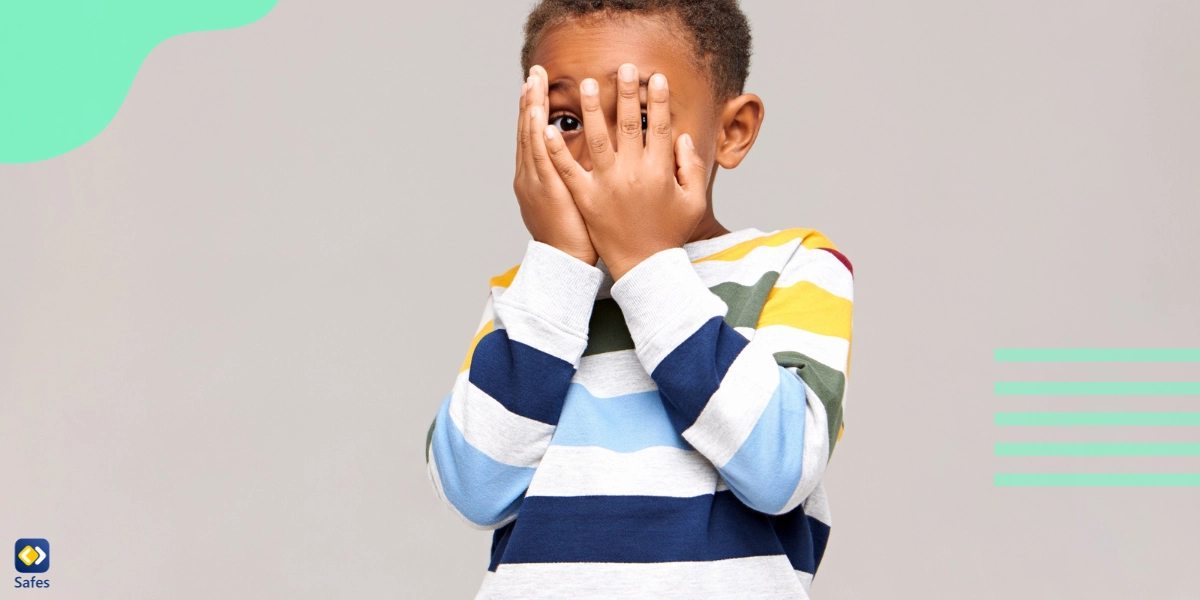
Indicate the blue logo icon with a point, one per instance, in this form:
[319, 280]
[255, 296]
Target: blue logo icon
[32, 555]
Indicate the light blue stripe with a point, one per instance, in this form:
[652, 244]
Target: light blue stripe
[621, 423]
[767, 468]
[484, 490]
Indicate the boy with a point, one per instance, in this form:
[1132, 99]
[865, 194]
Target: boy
[650, 401]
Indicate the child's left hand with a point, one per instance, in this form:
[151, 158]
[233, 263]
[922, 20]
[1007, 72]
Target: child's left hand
[638, 199]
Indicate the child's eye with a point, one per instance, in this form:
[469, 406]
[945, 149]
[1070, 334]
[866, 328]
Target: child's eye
[566, 123]
[643, 121]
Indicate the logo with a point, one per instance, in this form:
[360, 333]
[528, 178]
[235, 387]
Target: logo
[32, 555]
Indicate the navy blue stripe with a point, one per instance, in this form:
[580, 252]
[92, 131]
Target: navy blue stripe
[499, 543]
[638, 529]
[803, 539]
[689, 375]
[525, 380]
[820, 536]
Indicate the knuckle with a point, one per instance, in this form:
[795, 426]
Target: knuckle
[631, 127]
[597, 144]
[661, 129]
[629, 92]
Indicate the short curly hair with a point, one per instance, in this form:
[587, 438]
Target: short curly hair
[719, 30]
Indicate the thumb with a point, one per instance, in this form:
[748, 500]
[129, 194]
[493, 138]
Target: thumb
[689, 167]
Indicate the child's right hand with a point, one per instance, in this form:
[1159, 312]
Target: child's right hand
[547, 208]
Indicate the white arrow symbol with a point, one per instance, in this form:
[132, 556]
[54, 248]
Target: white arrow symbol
[41, 555]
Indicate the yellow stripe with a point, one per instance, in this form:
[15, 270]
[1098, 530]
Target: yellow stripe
[504, 280]
[486, 329]
[807, 306]
[841, 430]
[809, 238]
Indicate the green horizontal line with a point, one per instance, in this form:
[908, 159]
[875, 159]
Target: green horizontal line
[1097, 355]
[1104, 449]
[1097, 388]
[1098, 479]
[1097, 418]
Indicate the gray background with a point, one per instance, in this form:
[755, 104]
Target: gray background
[227, 321]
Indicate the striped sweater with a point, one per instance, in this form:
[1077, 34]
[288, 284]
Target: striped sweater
[661, 437]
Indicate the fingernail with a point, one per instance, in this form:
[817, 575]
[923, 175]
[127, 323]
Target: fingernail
[687, 139]
[536, 112]
[551, 131]
[533, 80]
[589, 87]
[658, 81]
[628, 72]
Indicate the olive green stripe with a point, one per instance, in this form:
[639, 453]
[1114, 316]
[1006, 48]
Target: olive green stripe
[827, 382]
[1097, 418]
[1097, 479]
[607, 331]
[745, 302]
[1097, 355]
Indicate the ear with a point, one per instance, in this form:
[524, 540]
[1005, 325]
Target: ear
[741, 118]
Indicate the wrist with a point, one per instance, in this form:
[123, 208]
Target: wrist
[620, 263]
[584, 253]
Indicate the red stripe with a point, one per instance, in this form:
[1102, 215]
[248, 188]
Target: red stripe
[841, 257]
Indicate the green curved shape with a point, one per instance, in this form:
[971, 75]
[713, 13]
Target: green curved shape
[66, 65]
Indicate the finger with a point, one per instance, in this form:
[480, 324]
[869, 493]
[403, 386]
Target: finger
[658, 118]
[521, 124]
[690, 169]
[563, 162]
[595, 129]
[544, 79]
[537, 144]
[629, 112]
[526, 156]
[535, 118]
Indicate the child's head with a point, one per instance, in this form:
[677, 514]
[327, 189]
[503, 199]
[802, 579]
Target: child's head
[701, 46]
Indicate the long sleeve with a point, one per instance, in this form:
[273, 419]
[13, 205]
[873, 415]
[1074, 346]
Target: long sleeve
[765, 411]
[493, 428]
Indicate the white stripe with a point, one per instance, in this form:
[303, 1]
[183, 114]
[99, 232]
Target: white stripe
[817, 505]
[526, 327]
[748, 269]
[821, 268]
[757, 577]
[828, 350]
[595, 471]
[734, 409]
[816, 449]
[805, 579]
[505, 436]
[613, 374]
[664, 303]
[489, 311]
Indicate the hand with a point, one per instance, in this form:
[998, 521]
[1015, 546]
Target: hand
[549, 213]
[638, 199]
